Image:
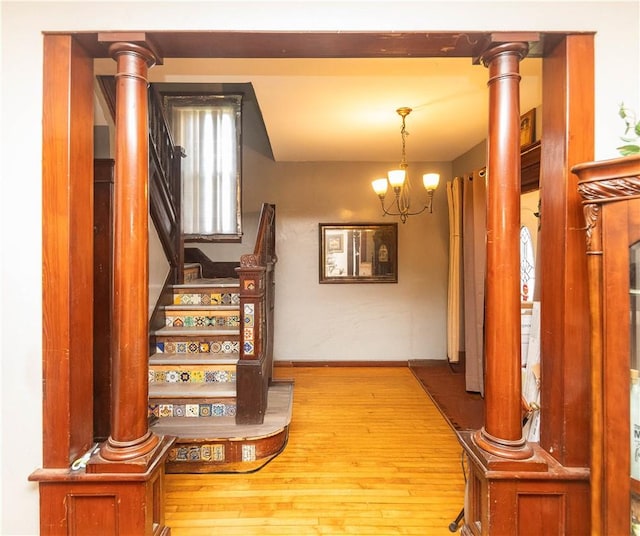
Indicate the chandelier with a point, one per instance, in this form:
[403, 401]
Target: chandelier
[400, 183]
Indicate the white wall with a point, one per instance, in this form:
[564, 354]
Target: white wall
[617, 78]
[399, 321]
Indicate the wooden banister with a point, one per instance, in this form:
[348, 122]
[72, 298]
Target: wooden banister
[164, 176]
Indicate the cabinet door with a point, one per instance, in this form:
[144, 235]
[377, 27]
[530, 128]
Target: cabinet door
[621, 323]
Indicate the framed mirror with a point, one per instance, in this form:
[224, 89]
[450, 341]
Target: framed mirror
[358, 253]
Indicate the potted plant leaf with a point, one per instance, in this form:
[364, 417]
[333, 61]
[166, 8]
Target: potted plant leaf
[632, 132]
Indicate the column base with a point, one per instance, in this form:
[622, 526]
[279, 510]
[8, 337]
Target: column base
[116, 457]
[511, 450]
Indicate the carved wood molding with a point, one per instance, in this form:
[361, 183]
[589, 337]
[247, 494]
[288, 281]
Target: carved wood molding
[593, 229]
[250, 260]
[601, 191]
[609, 180]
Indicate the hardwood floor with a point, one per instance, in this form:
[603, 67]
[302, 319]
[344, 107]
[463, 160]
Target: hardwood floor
[368, 454]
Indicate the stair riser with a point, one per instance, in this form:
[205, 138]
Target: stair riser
[172, 374]
[161, 408]
[196, 319]
[209, 456]
[206, 298]
[198, 345]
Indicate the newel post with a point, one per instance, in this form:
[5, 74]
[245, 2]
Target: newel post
[251, 378]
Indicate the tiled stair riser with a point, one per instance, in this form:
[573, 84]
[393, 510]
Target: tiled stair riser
[210, 452]
[202, 319]
[214, 345]
[192, 374]
[203, 297]
[166, 408]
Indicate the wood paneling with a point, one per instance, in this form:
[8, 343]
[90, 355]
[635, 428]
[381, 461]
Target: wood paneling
[67, 243]
[368, 453]
[103, 299]
[567, 114]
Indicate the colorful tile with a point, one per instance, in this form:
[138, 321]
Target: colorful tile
[248, 453]
[192, 410]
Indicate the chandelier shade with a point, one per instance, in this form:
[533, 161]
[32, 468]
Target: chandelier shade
[399, 181]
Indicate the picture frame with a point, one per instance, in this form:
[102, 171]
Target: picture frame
[358, 253]
[528, 128]
[335, 243]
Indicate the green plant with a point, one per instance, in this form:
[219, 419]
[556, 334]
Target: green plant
[631, 133]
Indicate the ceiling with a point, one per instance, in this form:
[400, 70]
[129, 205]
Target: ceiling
[344, 108]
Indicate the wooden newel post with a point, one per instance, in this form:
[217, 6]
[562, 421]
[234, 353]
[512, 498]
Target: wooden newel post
[502, 432]
[130, 436]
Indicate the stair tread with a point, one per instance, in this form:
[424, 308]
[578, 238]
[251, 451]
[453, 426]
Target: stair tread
[170, 331]
[204, 282]
[192, 390]
[189, 359]
[186, 307]
[277, 417]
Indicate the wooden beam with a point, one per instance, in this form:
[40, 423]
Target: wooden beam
[67, 235]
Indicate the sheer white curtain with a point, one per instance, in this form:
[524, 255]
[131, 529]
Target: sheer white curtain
[210, 170]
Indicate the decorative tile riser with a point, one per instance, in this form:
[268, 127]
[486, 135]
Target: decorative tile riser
[206, 298]
[172, 374]
[199, 345]
[196, 319]
[203, 409]
[223, 454]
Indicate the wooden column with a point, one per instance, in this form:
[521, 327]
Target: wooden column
[130, 435]
[502, 432]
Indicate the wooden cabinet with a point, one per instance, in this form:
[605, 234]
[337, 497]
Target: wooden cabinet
[611, 196]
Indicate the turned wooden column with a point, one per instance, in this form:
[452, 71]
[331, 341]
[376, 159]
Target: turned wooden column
[130, 436]
[502, 432]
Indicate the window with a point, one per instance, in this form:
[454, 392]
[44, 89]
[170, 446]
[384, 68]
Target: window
[527, 265]
[208, 128]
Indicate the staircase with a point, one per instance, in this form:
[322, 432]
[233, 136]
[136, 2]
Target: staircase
[192, 383]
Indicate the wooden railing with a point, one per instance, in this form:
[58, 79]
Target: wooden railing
[257, 292]
[165, 185]
[164, 176]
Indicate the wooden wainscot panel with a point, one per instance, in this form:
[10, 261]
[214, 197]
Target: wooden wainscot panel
[524, 497]
[108, 504]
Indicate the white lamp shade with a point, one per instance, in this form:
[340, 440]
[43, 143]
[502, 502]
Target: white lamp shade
[380, 186]
[431, 180]
[396, 177]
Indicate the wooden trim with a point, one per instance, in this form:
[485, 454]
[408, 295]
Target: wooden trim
[333, 363]
[568, 96]
[67, 243]
[530, 167]
[103, 296]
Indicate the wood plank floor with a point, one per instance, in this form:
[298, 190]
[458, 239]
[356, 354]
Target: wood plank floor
[368, 454]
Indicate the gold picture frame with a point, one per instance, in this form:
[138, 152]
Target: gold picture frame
[358, 252]
[528, 128]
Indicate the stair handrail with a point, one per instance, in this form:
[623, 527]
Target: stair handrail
[165, 184]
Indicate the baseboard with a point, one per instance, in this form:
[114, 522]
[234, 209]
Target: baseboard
[341, 363]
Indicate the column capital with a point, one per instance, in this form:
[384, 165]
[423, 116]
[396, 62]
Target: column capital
[519, 48]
